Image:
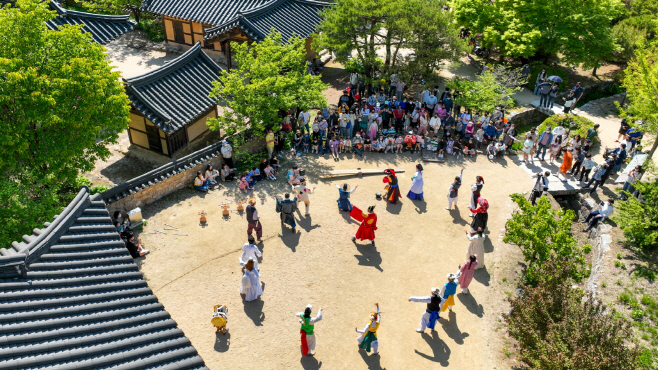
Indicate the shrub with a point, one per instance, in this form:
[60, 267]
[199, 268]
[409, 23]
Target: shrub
[541, 232]
[153, 28]
[576, 124]
[558, 327]
[354, 65]
[639, 219]
[535, 69]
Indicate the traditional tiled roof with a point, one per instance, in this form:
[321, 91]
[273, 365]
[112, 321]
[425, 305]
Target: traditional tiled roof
[288, 17]
[176, 93]
[73, 298]
[211, 12]
[103, 28]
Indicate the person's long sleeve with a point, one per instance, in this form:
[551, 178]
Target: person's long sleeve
[426, 299]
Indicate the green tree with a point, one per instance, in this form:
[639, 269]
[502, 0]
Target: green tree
[61, 104]
[579, 31]
[641, 83]
[366, 28]
[115, 7]
[270, 76]
[639, 219]
[559, 327]
[540, 232]
[490, 89]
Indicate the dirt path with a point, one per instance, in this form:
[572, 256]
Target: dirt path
[418, 243]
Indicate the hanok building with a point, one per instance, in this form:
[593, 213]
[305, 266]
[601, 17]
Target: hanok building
[103, 28]
[170, 105]
[73, 298]
[215, 23]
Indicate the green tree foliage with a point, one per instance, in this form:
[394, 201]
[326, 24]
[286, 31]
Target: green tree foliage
[641, 83]
[414, 35]
[270, 76]
[61, 105]
[577, 30]
[540, 232]
[558, 327]
[115, 7]
[490, 89]
[577, 125]
[639, 219]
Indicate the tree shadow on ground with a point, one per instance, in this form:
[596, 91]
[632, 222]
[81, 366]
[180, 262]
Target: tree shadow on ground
[127, 168]
[440, 350]
[254, 310]
[471, 304]
[222, 342]
[309, 362]
[369, 255]
[373, 361]
[482, 276]
[451, 328]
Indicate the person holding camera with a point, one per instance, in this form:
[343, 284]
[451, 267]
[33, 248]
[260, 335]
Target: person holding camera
[599, 215]
[540, 187]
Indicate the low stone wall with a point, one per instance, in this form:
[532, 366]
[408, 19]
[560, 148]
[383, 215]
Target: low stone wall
[528, 117]
[173, 176]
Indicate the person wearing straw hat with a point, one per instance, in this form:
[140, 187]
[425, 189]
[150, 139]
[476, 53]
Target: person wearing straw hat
[253, 220]
[447, 292]
[344, 197]
[431, 314]
[307, 330]
[368, 337]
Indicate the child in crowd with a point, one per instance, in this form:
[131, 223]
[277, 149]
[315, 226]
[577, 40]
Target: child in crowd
[315, 146]
[398, 143]
[479, 137]
[269, 172]
[420, 143]
[347, 145]
[500, 148]
[441, 149]
[433, 144]
[334, 144]
[449, 145]
[341, 146]
[367, 144]
[457, 148]
[470, 129]
[274, 162]
[255, 174]
[244, 184]
[390, 144]
[469, 149]
[306, 141]
[491, 150]
[410, 141]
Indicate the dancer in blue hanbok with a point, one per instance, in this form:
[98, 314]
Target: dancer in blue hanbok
[416, 191]
[344, 197]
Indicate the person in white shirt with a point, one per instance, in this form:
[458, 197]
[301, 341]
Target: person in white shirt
[368, 335]
[435, 123]
[595, 217]
[559, 131]
[227, 153]
[250, 252]
[302, 193]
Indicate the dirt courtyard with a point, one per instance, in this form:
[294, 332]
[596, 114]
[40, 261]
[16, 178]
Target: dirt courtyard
[417, 244]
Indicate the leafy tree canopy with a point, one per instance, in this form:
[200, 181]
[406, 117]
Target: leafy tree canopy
[413, 35]
[114, 7]
[270, 76]
[61, 105]
[541, 231]
[639, 219]
[490, 89]
[579, 31]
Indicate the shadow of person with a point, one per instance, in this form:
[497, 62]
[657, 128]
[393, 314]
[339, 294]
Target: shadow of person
[222, 342]
[440, 350]
[254, 310]
[348, 219]
[451, 328]
[488, 244]
[457, 217]
[394, 208]
[482, 276]
[289, 239]
[306, 224]
[471, 304]
[369, 256]
[309, 362]
[373, 361]
[421, 206]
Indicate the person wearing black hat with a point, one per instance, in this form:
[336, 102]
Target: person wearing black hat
[287, 208]
[392, 187]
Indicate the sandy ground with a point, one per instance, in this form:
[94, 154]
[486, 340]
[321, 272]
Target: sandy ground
[418, 243]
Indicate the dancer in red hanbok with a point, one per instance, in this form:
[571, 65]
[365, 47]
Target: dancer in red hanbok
[368, 224]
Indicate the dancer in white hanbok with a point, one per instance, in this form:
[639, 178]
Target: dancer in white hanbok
[476, 247]
[250, 252]
[431, 314]
[307, 330]
[250, 285]
[368, 337]
[416, 190]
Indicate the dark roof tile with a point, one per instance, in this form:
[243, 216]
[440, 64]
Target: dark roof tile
[288, 17]
[176, 93]
[212, 12]
[83, 304]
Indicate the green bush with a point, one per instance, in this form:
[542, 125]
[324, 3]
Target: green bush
[354, 65]
[639, 220]
[246, 161]
[535, 69]
[153, 28]
[577, 125]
